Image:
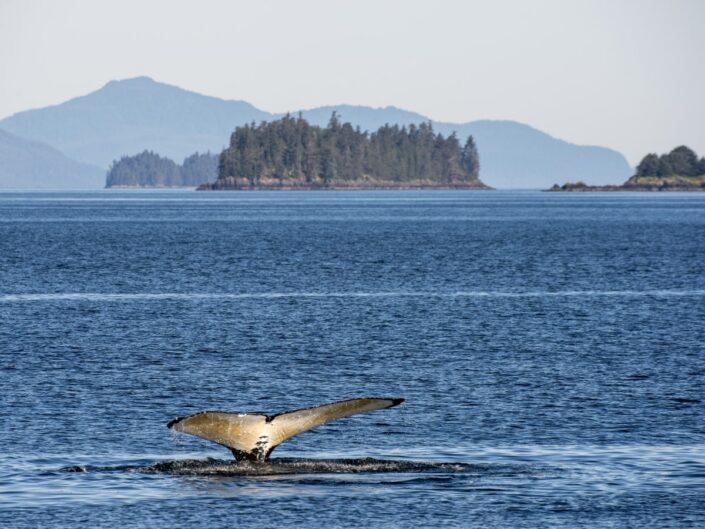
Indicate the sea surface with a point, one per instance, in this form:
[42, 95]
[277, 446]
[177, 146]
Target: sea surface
[550, 347]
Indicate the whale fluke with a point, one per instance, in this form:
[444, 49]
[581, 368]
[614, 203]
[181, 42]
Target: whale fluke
[253, 436]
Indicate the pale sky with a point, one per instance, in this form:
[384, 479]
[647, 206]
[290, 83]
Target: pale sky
[626, 74]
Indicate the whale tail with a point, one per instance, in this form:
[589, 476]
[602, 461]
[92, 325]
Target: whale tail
[253, 436]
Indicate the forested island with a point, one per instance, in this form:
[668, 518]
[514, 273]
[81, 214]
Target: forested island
[290, 153]
[148, 169]
[678, 170]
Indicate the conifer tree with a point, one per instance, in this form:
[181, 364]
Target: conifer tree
[684, 161]
[471, 159]
[649, 165]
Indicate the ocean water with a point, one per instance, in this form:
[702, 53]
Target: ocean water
[551, 348]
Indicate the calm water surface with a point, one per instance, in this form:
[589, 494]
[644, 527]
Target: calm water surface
[551, 349]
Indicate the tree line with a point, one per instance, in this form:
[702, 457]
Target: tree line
[148, 169]
[681, 161]
[292, 149]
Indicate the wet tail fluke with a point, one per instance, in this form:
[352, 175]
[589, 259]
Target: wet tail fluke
[253, 436]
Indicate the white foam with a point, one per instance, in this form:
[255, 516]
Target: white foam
[205, 296]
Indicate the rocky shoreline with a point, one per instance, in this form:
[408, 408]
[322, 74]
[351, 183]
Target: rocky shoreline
[243, 184]
[639, 184]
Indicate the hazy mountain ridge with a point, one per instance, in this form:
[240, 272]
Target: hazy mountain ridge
[512, 154]
[126, 117]
[27, 164]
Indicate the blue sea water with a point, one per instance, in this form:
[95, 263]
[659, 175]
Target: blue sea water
[551, 349]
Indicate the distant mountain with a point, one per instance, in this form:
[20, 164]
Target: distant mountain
[129, 116]
[514, 155]
[26, 164]
[367, 118]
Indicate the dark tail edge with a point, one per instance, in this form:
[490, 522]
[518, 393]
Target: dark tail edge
[174, 421]
[395, 402]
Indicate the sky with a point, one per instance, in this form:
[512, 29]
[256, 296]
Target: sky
[625, 74]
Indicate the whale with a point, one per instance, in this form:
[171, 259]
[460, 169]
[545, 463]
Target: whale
[253, 436]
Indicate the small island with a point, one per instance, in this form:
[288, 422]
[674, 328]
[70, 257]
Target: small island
[148, 169]
[679, 170]
[290, 153]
